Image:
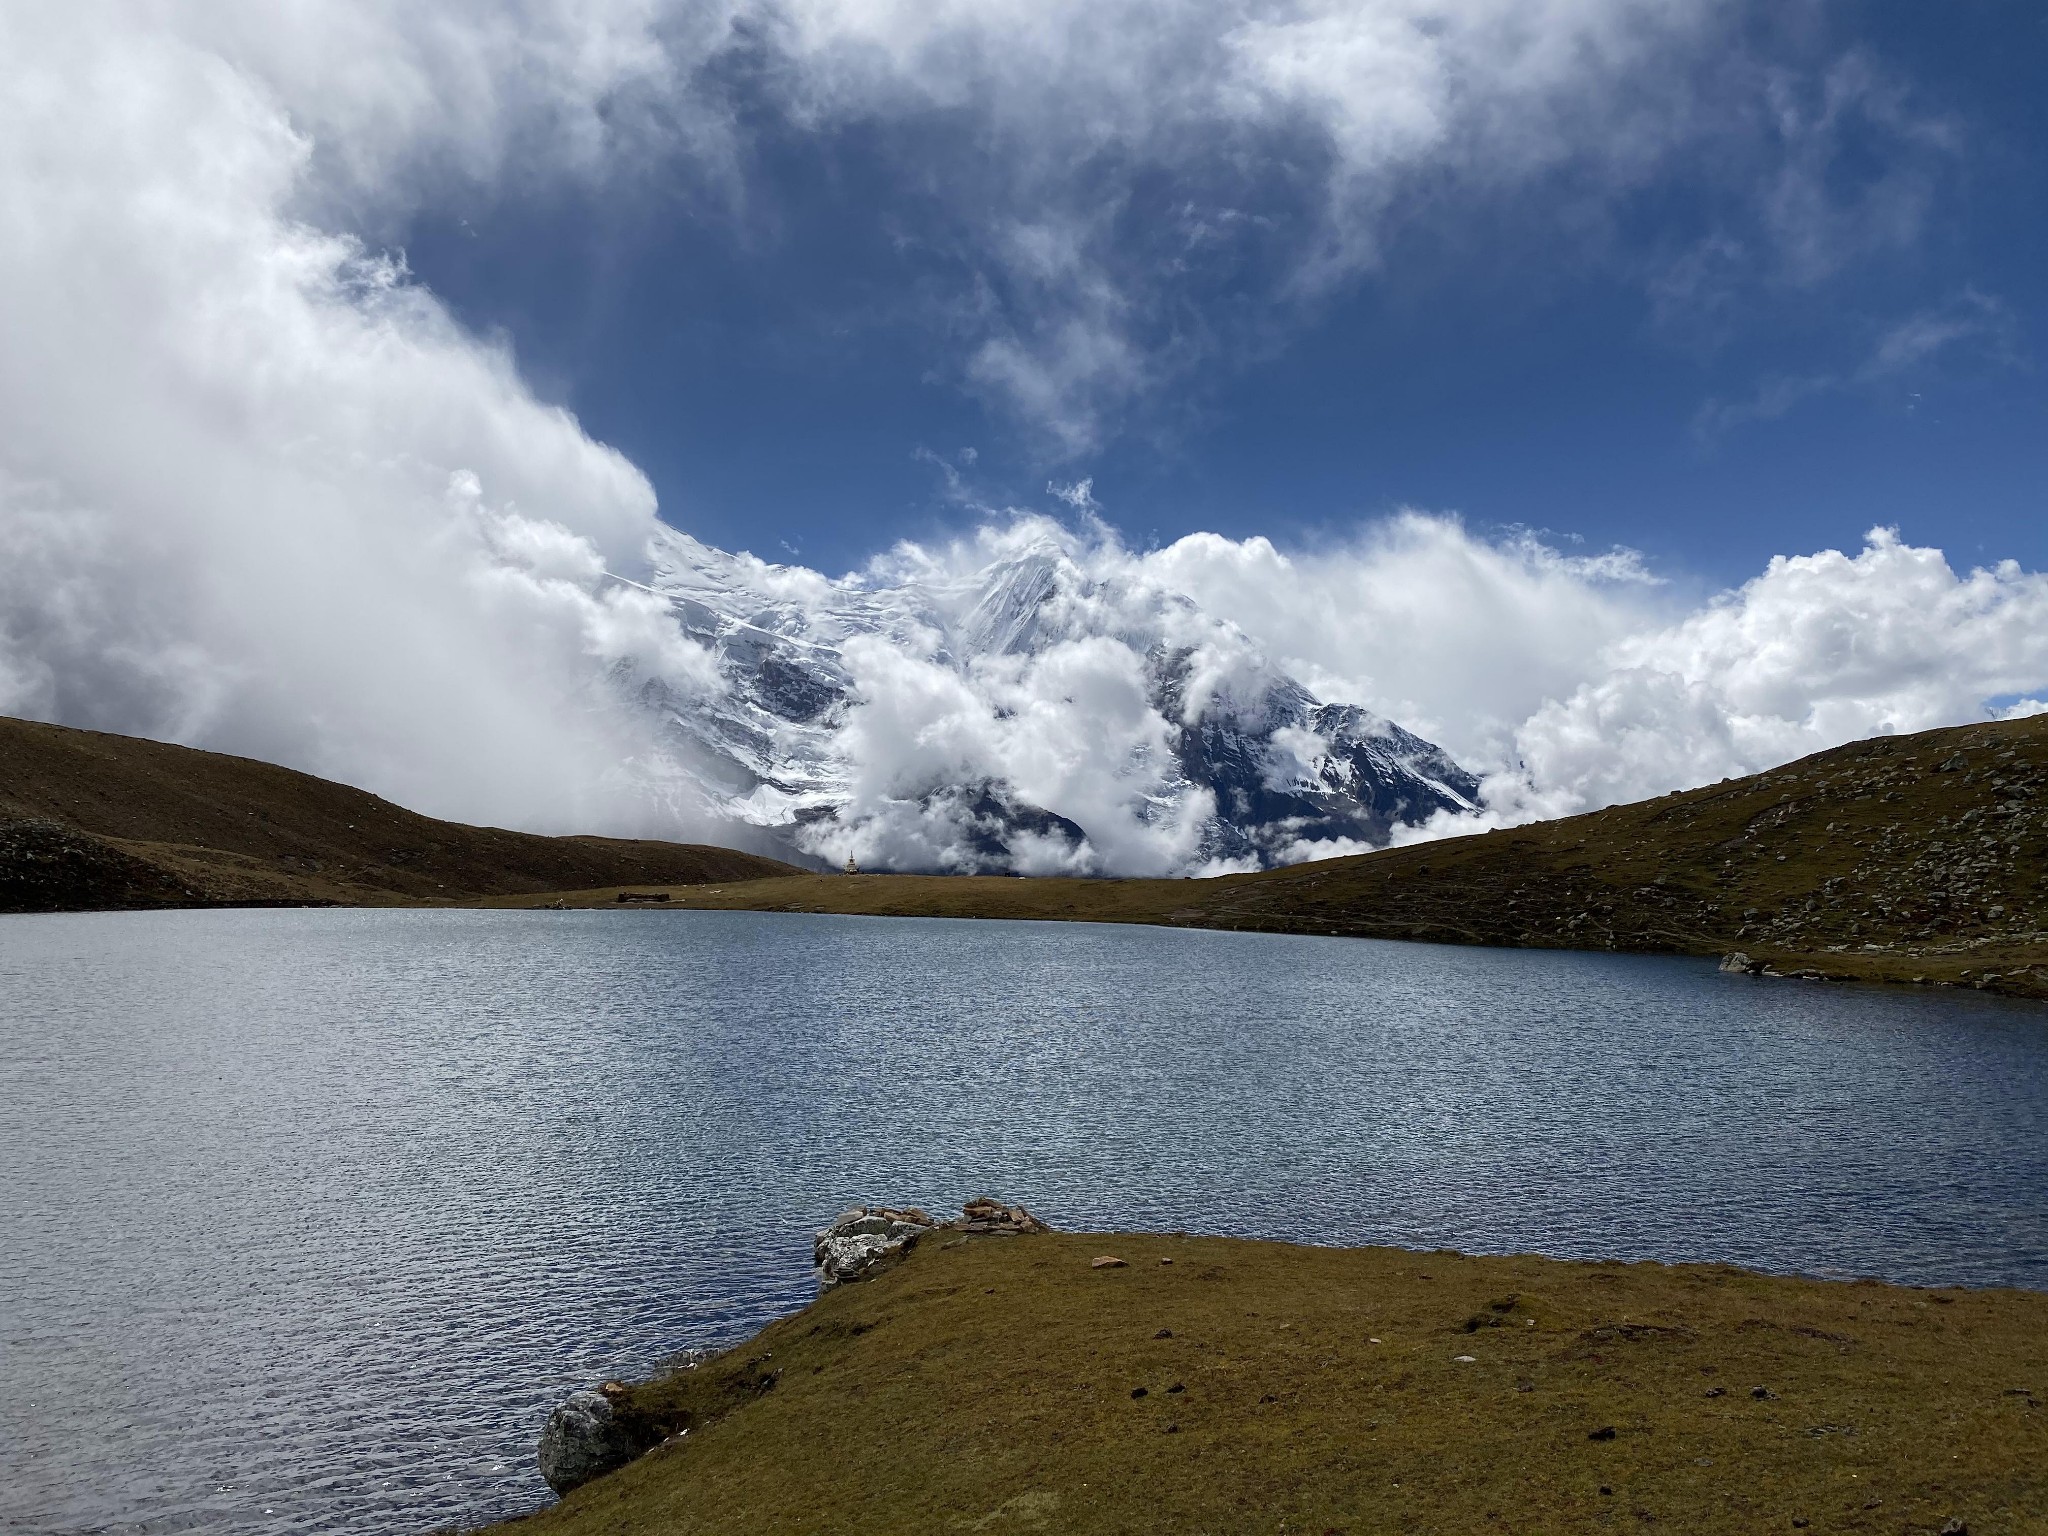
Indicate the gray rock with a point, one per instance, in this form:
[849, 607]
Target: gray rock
[862, 1240]
[584, 1440]
[1738, 963]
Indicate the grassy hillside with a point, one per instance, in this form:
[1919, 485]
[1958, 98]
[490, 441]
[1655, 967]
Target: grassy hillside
[1901, 858]
[1214, 1385]
[96, 821]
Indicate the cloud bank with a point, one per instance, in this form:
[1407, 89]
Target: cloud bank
[259, 491]
[1568, 682]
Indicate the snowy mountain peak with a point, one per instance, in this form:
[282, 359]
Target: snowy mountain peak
[1026, 712]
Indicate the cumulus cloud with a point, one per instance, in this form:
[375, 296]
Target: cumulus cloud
[1056, 667]
[1818, 650]
[257, 490]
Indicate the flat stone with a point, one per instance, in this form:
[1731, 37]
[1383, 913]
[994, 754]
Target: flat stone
[1107, 1261]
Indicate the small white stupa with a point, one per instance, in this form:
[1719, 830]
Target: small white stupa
[851, 867]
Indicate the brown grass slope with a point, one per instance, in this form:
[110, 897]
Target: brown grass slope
[94, 821]
[1897, 858]
[1893, 857]
[1004, 1385]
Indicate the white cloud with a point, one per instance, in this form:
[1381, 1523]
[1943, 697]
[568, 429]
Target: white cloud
[257, 490]
[1970, 326]
[1818, 650]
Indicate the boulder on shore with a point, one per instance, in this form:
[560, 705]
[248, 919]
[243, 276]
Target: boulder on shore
[866, 1237]
[584, 1439]
[862, 1240]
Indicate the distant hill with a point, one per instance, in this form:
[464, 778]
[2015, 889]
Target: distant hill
[1899, 858]
[89, 820]
[1892, 856]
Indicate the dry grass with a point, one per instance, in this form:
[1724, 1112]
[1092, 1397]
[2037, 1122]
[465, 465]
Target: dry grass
[1898, 859]
[92, 821]
[991, 1385]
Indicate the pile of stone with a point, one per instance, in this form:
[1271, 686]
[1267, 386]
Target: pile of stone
[985, 1215]
[866, 1237]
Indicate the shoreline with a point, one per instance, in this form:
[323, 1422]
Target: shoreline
[2011, 972]
[2018, 972]
[986, 1382]
[1898, 860]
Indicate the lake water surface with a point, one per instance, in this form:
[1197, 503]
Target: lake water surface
[308, 1217]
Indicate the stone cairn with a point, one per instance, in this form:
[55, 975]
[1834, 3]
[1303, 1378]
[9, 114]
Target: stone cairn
[585, 1437]
[865, 1237]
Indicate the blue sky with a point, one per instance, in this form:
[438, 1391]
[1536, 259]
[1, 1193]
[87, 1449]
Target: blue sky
[293, 300]
[1644, 366]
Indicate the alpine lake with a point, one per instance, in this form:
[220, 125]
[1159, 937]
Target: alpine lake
[312, 1215]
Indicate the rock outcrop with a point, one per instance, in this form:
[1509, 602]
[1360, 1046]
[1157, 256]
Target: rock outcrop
[864, 1238]
[584, 1439]
[587, 1435]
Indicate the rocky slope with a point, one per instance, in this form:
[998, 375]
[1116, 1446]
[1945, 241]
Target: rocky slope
[93, 821]
[1245, 753]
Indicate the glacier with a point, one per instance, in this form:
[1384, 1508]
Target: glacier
[1029, 710]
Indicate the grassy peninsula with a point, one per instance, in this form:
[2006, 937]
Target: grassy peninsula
[1217, 1385]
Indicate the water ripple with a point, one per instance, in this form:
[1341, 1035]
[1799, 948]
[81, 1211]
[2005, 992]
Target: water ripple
[311, 1216]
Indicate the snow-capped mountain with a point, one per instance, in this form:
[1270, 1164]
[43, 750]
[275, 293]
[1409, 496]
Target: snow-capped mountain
[1031, 711]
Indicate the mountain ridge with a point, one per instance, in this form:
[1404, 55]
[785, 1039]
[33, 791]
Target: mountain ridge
[1228, 762]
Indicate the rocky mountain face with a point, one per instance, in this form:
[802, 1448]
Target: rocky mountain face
[1025, 716]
